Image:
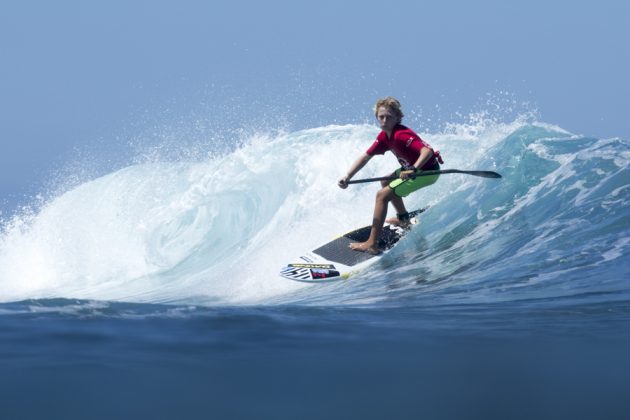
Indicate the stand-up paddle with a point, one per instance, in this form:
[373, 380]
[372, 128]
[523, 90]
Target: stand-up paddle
[483, 174]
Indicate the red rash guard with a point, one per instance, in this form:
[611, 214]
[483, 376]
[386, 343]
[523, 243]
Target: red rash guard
[404, 144]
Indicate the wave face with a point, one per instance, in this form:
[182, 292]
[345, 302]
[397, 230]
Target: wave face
[553, 231]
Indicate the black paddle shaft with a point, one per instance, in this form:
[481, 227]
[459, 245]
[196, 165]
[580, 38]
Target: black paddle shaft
[483, 174]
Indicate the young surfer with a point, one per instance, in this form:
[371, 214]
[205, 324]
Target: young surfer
[414, 155]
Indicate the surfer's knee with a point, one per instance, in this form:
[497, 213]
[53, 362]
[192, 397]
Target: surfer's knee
[385, 194]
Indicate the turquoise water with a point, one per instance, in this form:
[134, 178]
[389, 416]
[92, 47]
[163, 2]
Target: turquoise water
[154, 290]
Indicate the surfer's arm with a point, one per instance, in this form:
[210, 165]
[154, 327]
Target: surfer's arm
[356, 167]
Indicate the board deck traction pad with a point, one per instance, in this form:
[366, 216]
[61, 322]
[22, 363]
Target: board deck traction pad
[338, 251]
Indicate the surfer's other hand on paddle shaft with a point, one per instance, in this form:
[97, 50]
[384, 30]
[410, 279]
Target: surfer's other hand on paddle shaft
[343, 182]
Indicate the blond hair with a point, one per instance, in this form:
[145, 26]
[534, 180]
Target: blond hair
[390, 103]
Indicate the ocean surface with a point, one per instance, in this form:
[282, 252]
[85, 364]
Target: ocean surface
[153, 291]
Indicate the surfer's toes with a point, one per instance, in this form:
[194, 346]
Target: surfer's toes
[364, 247]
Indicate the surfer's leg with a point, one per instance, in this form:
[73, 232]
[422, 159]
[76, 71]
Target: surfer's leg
[402, 188]
[399, 206]
[397, 201]
[383, 197]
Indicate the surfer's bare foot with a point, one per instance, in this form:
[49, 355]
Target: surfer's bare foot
[365, 247]
[394, 221]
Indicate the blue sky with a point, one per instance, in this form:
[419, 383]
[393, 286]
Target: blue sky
[81, 75]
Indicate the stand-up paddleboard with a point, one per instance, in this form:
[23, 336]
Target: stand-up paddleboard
[336, 261]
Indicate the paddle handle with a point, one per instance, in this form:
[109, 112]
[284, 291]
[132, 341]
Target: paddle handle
[483, 174]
